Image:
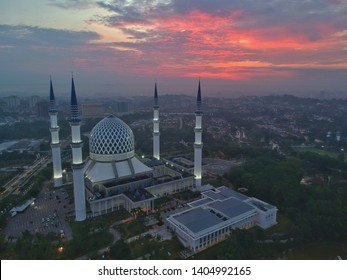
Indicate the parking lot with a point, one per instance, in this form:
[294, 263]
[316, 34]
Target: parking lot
[49, 213]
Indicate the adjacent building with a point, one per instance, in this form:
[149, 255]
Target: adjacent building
[211, 219]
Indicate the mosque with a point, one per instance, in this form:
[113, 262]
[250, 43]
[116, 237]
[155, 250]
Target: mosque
[113, 177]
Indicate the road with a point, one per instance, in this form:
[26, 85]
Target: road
[21, 179]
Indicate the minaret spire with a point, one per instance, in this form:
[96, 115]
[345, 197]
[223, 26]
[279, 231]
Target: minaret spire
[77, 159]
[55, 143]
[156, 133]
[156, 96]
[74, 106]
[198, 140]
[51, 97]
[198, 99]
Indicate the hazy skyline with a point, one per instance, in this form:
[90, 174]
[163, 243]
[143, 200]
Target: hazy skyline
[122, 47]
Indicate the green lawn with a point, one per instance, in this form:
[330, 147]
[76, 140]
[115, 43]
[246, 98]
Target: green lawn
[166, 250]
[112, 217]
[284, 225]
[130, 229]
[318, 251]
[91, 234]
[88, 236]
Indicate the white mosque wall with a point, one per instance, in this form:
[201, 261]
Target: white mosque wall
[106, 205]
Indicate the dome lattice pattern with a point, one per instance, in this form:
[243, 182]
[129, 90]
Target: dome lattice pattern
[111, 139]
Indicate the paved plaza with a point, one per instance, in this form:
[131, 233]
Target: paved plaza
[220, 166]
[49, 213]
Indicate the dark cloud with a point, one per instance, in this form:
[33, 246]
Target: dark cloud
[25, 36]
[273, 10]
[133, 11]
[249, 13]
[40, 50]
[123, 13]
[72, 4]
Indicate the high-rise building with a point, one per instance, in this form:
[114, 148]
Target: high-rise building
[34, 99]
[13, 103]
[24, 105]
[42, 109]
[121, 108]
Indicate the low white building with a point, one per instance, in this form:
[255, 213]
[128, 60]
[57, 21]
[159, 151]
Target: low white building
[211, 219]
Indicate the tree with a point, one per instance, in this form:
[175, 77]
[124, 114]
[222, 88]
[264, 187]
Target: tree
[3, 244]
[341, 157]
[120, 251]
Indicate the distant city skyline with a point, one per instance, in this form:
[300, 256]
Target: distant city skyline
[122, 47]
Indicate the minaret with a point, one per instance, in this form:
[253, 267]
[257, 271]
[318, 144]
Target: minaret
[55, 143]
[77, 160]
[198, 141]
[156, 133]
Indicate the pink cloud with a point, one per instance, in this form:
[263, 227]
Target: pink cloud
[221, 45]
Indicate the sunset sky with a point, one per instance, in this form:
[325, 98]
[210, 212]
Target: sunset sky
[122, 47]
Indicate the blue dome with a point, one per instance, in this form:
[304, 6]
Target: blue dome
[111, 139]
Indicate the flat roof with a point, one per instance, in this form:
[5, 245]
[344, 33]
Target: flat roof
[231, 207]
[219, 208]
[23, 206]
[151, 162]
[262, 205]
[198, 219]
[231, 193]
[223, 193]
[214, 195]
[200, 202]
